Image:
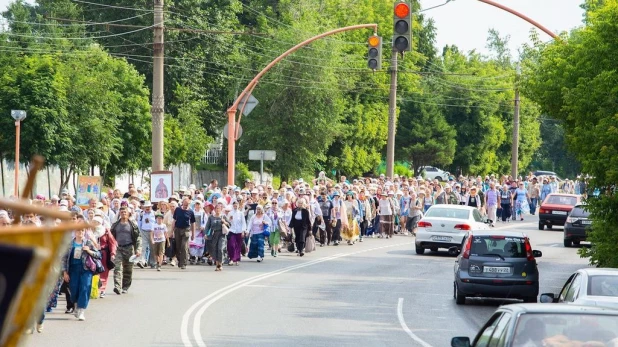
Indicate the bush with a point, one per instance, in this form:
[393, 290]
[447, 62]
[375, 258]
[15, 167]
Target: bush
[400, 169]
[242, 174]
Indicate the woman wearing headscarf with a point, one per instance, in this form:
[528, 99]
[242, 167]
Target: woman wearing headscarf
[108, 247]
[350, 231]
[301, 224]
[256, 226]
[237, 228]
[274, 213]
[214, 227]
[337, 218]
[168, 220]
[77, 273]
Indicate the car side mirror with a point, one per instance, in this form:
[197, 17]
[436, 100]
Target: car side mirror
[460, 341]
[454, 250]
[548, 298]
[537, 254]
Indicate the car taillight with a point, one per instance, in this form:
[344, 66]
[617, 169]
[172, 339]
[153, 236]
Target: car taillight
[529, 254]
[463, 227]
[497, 237]
[467, 247]
[543, 210]
[423, 224]
[572, 220]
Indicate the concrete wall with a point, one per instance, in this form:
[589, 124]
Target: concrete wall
[48, 180]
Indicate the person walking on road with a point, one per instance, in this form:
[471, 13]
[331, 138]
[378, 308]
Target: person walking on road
[257, 223]
[77, 273]
[146, 222]
[127, 235]
[237, 229]
[521, 201]
[505, 201]
[301, 224]
[214, 229]
[184, 230]
[491, 201]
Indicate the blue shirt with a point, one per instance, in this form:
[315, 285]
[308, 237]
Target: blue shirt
[183, 218]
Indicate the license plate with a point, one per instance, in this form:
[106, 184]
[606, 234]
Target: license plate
[442, 238]
[587, 222]
[560, 212]
[497, 270]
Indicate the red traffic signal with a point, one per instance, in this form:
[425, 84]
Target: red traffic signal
[402, 10]
[402, 27]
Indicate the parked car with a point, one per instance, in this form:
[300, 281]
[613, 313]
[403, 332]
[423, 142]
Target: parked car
[445, 226]
[432, 173]
[546, 174]
[577, 226]
[555, 209]
[590, 287]
[497, 264]
[536, 325]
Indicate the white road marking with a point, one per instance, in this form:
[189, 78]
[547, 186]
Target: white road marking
[405, 327]
[215, 296]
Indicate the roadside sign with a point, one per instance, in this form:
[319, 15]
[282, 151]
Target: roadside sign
[262, 155]
[251, 103]
[225, 128]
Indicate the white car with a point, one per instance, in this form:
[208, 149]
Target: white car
[445, 226]
[432, 173]
[588, 287]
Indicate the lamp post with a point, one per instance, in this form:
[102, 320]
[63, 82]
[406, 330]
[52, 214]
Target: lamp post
[18, 115]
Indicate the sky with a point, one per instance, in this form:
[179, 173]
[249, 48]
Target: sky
[465, 23]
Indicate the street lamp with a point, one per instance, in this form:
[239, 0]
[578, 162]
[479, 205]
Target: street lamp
[18, 115]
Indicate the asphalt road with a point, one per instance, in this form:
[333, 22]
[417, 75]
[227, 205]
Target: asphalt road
[375, 293]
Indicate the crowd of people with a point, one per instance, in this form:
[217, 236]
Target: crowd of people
[217, 226]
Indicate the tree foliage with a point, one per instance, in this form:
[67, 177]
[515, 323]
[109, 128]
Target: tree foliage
[575, 81]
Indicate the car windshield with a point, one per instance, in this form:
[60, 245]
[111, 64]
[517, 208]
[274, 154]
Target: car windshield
[603, 285]
[561, 200]
[507, 247]
[447, 213]
[559, 329]
[579, 211]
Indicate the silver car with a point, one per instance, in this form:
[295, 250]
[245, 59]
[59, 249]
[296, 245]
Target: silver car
[445, 226]
[590, 287]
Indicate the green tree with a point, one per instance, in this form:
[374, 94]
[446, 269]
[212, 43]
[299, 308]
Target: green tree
[574, 80]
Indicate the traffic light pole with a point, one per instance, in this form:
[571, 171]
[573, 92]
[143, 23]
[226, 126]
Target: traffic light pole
[392, 118]
[231, 111]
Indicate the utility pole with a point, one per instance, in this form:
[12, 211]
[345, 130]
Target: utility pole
[392, 117]
[158, 101]
[515, 145]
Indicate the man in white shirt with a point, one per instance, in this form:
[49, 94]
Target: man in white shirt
[146, 222]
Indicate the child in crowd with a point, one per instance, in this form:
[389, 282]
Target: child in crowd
[158, 239]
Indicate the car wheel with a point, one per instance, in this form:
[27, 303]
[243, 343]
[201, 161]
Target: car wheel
[434, 249]
[541, 226]
[460, 298]
[577, 243]
[531, 300]
[549, 226]
[440, 179]
[568, 243]
[420, 250]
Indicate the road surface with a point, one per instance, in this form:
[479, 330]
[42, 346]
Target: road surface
[375, 293]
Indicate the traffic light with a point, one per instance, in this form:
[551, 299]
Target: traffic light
[374, 54]
[402, 30]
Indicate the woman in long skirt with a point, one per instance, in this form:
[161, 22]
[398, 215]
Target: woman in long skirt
[237, 229]
[274, 213]
[76, 273]
[214, 227]
[108, 252]
[256, 230]
[350, 232]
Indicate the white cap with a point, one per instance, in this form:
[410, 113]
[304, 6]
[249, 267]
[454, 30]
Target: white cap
[98, 220]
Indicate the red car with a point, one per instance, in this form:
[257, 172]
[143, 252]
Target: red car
[555, 209]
